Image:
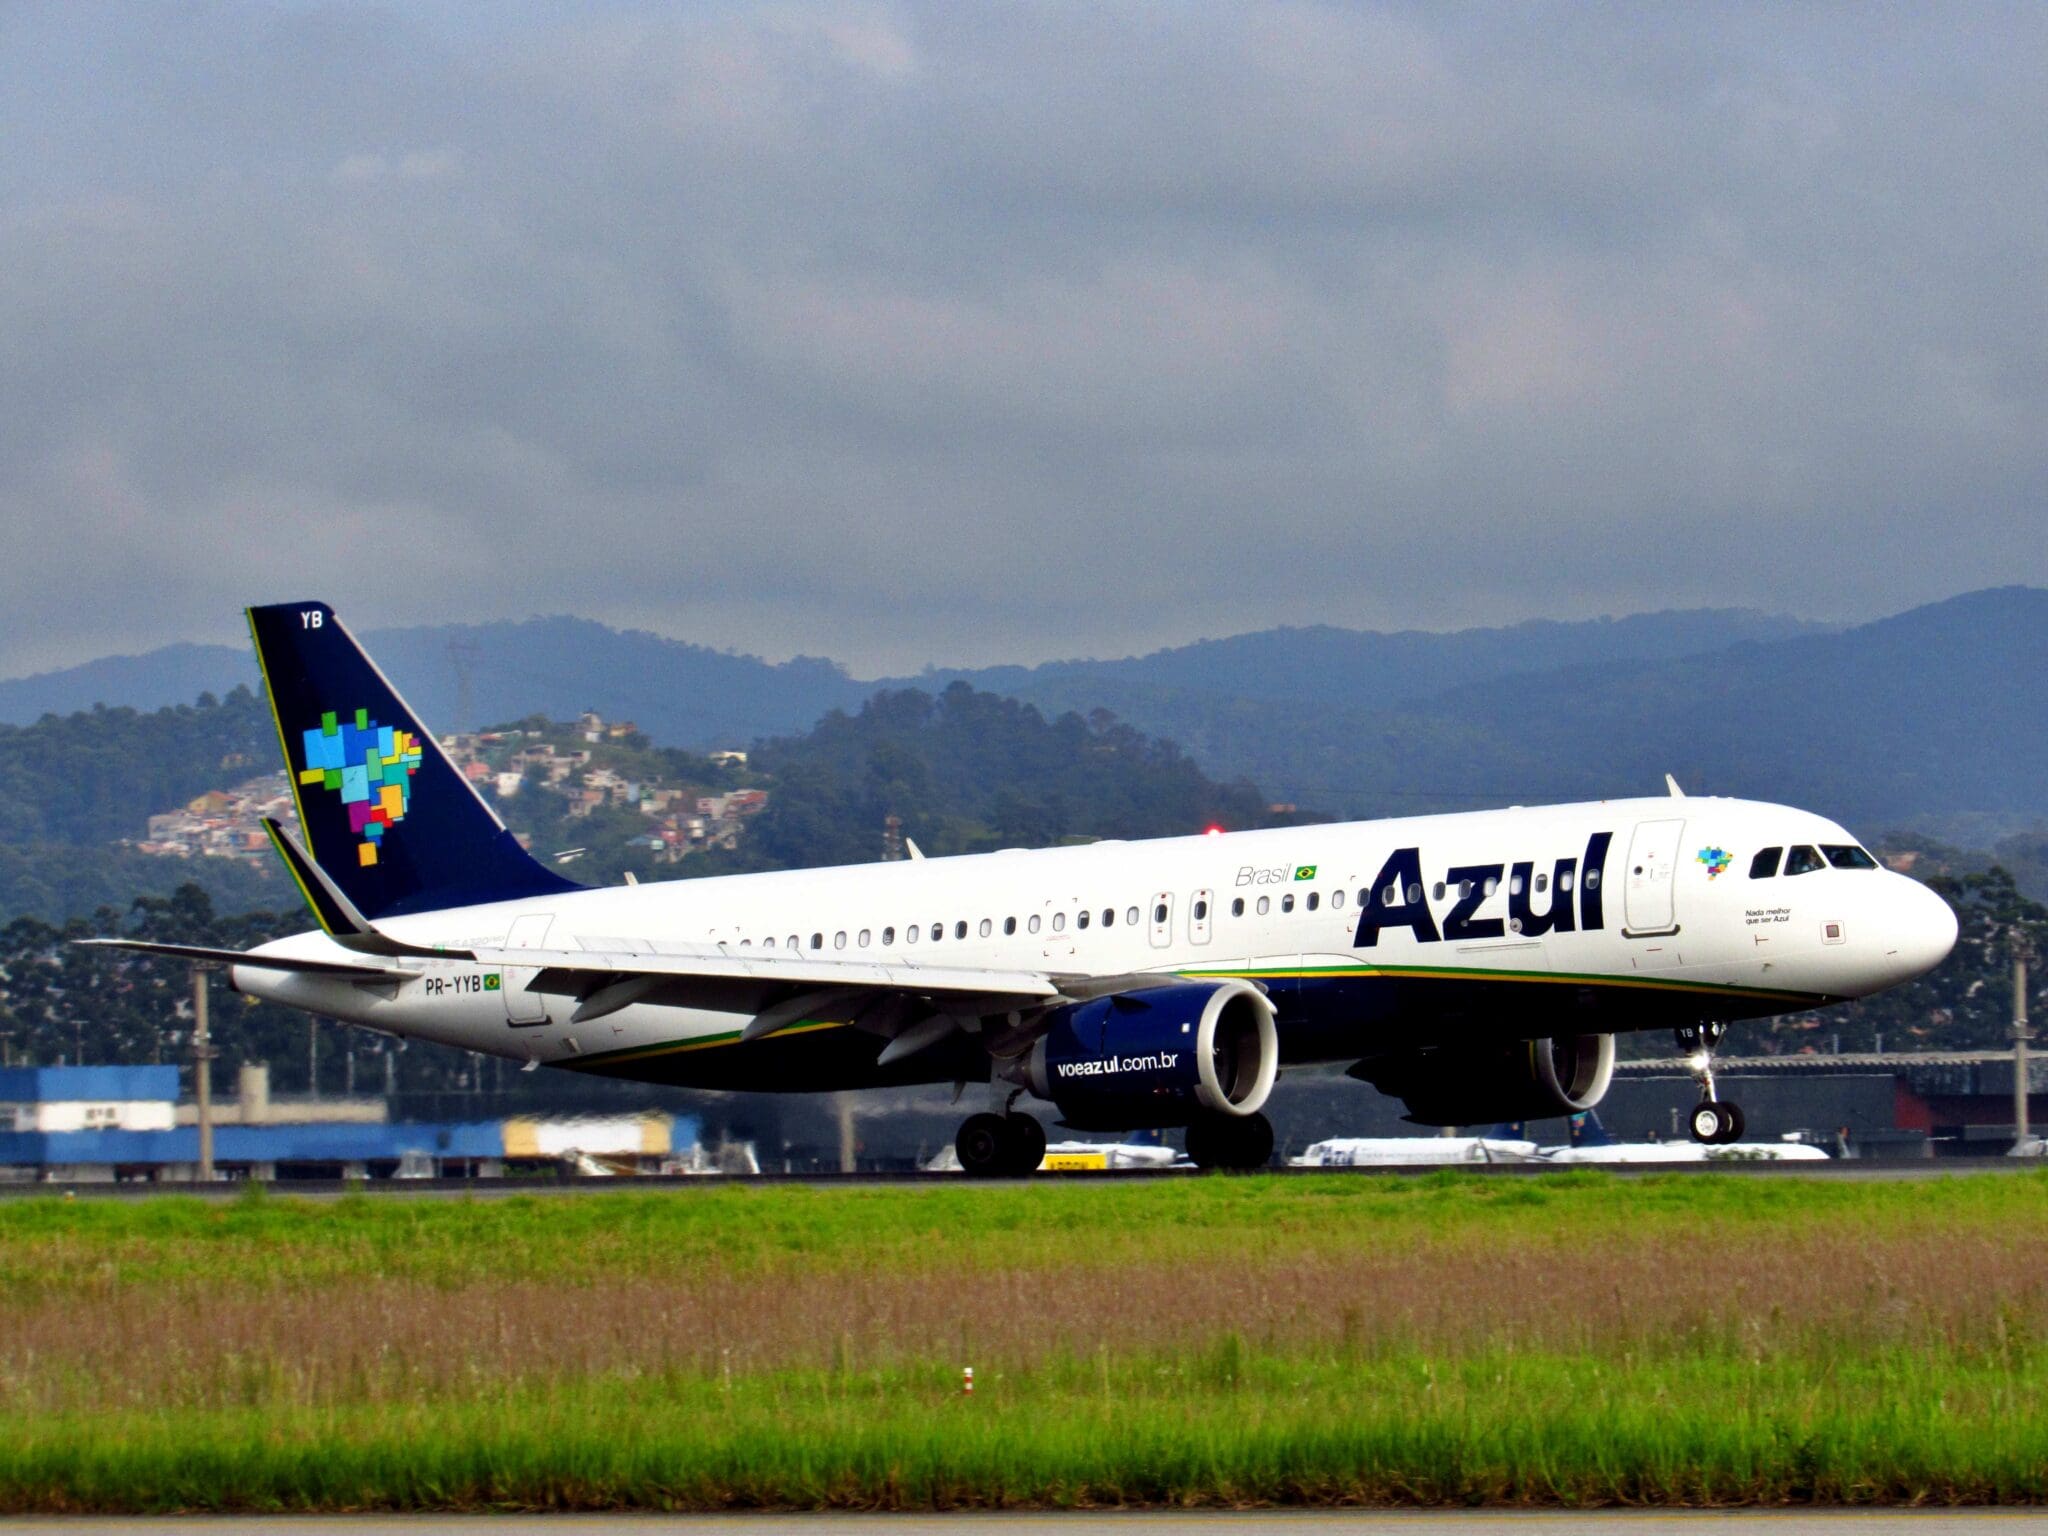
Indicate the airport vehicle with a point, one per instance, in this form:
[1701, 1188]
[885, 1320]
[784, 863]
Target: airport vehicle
[1476, 966]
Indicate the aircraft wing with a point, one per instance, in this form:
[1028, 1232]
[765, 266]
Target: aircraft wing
[912, 1004]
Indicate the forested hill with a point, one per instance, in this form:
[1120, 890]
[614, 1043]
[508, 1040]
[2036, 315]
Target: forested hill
[692, 696]
[969, 771]
[963, 771]
[99, 774]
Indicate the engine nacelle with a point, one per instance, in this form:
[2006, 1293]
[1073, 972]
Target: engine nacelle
[1512, 1080]
[1158, 1057]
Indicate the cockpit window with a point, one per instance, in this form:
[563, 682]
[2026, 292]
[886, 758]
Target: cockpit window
[1802, 860]
[1765, 864]
[1847, 856]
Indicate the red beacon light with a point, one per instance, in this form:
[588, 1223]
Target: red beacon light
[1212, 830]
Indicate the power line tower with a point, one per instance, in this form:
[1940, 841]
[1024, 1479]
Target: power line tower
[462, 656]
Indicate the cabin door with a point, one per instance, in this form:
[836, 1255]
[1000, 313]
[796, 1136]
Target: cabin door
[1652, 871]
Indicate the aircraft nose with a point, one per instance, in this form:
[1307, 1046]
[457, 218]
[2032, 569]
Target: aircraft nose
[1923, 932]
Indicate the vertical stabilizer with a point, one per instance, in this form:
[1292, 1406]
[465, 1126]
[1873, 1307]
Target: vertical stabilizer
[382, 809]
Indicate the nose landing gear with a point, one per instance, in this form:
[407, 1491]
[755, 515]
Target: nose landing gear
[1715, 1120]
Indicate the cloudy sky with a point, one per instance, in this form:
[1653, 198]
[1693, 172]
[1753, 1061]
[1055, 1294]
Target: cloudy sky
[971, 333]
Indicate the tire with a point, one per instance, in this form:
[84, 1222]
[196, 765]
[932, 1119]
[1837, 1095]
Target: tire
[1710, 1121]
[1732, 1113]
[1240, 1143]
[985, 1146]
[1250, 1143]
[1027, 1137]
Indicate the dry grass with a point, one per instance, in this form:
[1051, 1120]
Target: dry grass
[1458, 1305]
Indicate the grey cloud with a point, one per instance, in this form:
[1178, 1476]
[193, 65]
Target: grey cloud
[970, 333]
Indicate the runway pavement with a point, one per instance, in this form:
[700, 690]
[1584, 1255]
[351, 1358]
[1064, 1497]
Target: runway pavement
[1848, 1169]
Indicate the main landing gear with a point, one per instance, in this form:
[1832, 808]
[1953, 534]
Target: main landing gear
[994, 1146]
[1241, 1142]
[1715, 1120]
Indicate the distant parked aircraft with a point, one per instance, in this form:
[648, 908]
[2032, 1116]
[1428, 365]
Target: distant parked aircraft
[1475, 966]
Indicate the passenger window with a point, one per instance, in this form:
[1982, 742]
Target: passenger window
[1315, 899]
[1492, 884]
[888, 937]
[1337, 901]
[1847, 856]
[1131, 916]
[1237, 906]
[1109, 917]
[960, 929]
[1265, 905]
[1592, 879]
[1009, 925]
[792, 941]
[1287, 902]
[839, 939]
[768, 943]
[746, 943]
[987, 927]
[938, 932]
[1765, 864]
[1081, 918]
[817, 941]
[1159, 912]
[1564, 881]
[1059, 922]
[1032, 922]
[1464, 890]
[1201, 911]
[1542, 884]
[910, 934]
[1514, 885]
[1414, 894]
[1438, 893]
[1802, 860]
[865, 935]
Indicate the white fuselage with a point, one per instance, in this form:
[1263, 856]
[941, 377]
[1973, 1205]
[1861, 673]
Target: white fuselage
[1520, 918]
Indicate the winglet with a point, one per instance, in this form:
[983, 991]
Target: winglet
[1671, 784]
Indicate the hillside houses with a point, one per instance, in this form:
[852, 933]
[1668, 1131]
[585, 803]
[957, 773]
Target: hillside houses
[593, 766]
[222, 823]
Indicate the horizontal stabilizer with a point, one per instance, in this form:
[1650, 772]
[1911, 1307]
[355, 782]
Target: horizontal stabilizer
[203, 955]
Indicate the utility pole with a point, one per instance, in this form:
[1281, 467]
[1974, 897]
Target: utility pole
[202, 1073]
[2019, 1044]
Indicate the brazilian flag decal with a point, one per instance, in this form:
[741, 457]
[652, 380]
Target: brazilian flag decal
[490, 981]
[1306, 872]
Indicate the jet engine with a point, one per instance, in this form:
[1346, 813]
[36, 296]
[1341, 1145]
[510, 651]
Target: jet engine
[1509, 1080]
[1161, 1056]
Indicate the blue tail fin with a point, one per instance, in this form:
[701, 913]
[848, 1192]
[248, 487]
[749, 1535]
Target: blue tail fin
[383, 811]
[1587, 1131]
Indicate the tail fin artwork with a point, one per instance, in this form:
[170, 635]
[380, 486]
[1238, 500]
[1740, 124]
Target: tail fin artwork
[384, 813]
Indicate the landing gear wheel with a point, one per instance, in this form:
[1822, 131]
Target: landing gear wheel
[1736, 1123]
[1028, 1137]
[984, 1145]
[1713, 1122]
[1240, 1142]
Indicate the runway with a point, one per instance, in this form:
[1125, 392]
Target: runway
[1840, 1169]
[1742, 1522]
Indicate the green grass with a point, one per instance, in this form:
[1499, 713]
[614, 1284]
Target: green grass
[1573, 1339]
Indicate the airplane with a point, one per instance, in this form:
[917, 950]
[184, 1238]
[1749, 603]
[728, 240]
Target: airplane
[1477, 965]
[1415, 1151]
